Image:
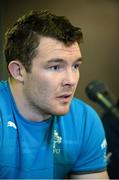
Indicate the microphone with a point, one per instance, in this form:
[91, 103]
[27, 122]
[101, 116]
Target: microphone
[98, 92]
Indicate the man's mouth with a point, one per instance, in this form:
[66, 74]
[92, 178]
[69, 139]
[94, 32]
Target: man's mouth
[65, 98]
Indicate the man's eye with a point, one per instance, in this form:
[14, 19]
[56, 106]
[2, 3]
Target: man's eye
[76, 66]
[55, 68]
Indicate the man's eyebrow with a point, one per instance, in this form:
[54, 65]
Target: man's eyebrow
[79, 59]
[62, 60]
[55, 60]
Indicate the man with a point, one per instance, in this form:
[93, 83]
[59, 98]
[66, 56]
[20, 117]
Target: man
[45, 132]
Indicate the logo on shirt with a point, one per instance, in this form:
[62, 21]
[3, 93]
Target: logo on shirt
[103, 147]
[56, 142]
[103, 144]
[11, 124]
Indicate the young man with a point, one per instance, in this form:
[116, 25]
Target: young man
[45, 132]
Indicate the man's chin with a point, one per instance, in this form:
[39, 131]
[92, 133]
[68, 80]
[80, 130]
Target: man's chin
[62, 112]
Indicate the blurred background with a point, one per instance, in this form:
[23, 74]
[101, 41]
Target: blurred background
[99, 20]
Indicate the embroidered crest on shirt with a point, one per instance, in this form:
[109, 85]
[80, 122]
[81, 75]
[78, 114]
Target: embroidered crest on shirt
[104, 144]
[56, 142]
[11, 124]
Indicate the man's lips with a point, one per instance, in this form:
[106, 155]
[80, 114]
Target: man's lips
[65, 97]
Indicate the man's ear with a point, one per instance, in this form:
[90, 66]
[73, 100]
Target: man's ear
[16, 70]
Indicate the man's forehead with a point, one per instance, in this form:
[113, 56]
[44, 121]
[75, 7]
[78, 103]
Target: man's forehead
[51, 43]
[50, 47]
[50, 50]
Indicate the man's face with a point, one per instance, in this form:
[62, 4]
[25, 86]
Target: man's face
[52, 82]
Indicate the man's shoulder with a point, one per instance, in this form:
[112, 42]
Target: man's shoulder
[3, 86]
[80, 105]
[4, 93]
[82, 110]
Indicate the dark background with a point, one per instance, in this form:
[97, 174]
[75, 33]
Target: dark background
[99, 20]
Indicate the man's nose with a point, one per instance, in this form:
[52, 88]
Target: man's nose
[70, 78]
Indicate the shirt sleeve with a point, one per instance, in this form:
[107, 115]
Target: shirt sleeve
[92, 157]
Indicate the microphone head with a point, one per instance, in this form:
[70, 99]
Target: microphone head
[95, 87]
[98, 92]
